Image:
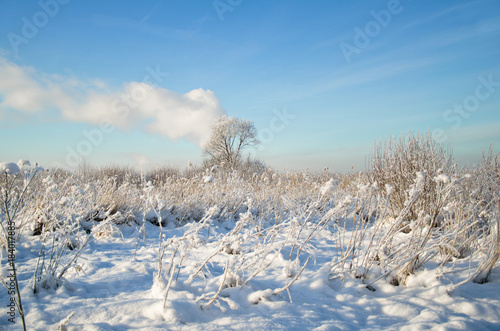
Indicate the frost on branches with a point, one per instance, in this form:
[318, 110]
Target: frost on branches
[228, 137]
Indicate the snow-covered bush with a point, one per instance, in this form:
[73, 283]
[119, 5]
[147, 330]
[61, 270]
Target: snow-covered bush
[15, 180]
[219, 229]
[397, 160]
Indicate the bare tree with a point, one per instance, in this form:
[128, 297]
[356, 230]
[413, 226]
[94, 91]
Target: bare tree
[229, 135]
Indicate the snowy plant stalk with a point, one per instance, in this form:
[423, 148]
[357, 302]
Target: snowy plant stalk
[221, 286]
[11, 213]
[172, 272]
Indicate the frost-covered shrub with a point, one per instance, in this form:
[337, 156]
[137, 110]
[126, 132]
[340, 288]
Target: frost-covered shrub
[486, 184]
[14, 184]
[415, 207]
[228, 137]
[398, 160]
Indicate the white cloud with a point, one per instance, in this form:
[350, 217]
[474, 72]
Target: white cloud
[136, 104]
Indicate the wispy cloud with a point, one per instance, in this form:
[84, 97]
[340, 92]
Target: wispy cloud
[375, 72]
[455, 34]
[142, 26]
[440, 14]
[135, 105]
[459, 34]
[363, 73]
[145, 18]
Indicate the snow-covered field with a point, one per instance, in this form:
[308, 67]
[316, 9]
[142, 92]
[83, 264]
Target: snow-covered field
[269, 252]
[112, 290]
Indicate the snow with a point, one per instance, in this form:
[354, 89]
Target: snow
[418, 187]
[9, 168]
[329, 187]
[442, 178]
[21, 163]
[389, 189]
[289, 253]
[110, 290]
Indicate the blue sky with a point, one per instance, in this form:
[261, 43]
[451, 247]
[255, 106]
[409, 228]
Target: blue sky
[322, 80]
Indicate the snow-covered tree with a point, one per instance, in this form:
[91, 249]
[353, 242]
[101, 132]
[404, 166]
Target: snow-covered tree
[228, 137]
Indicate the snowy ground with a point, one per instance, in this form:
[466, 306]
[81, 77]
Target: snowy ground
[111, 290]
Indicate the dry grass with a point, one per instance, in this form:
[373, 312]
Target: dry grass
[412, 208]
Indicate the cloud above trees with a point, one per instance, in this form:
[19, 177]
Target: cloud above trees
[135, 105]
